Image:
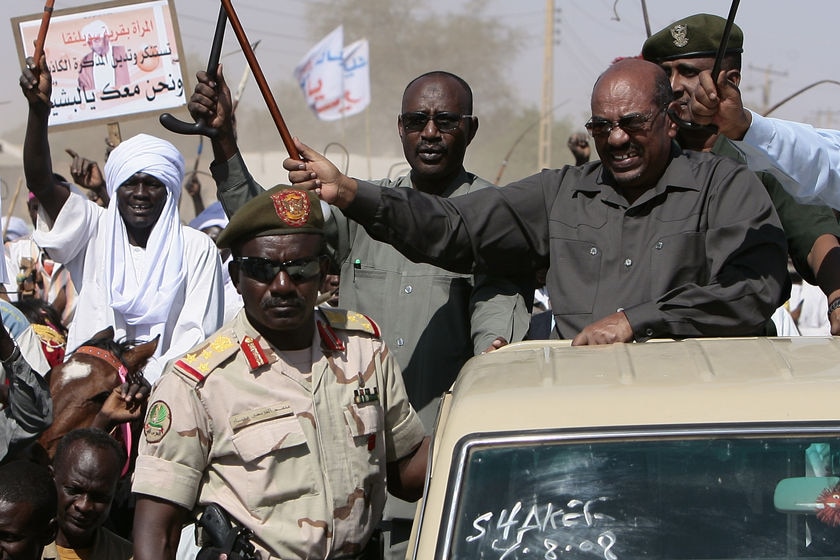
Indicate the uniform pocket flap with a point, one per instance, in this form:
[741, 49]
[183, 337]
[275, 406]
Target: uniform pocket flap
[256, 440]
[363, 420]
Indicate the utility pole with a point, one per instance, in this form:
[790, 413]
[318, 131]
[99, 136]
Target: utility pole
[546, 120]
[765, 92]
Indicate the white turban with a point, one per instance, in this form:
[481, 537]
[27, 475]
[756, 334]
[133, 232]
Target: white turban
[212, 216]
[147, 300]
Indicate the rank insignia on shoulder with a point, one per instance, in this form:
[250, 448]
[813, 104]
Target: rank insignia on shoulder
[207, 356]
[366, 395]
[255, 354]
[350, 321]
[329, 338]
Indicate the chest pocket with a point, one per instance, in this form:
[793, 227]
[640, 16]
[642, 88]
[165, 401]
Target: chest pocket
[573, 282]
[279, 465]
[363, 420]
[365, 424]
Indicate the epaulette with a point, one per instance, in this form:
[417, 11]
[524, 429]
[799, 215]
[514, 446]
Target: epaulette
[342, 319]
[197, 364]
[350, 321]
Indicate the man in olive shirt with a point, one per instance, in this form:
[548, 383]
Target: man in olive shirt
[649, 242]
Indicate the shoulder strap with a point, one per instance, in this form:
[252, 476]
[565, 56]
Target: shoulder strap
[199, 362]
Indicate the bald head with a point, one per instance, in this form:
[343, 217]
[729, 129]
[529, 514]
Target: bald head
[465, 96]
[651, 79]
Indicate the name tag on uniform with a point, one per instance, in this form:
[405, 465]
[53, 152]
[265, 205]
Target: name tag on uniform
[277, 410]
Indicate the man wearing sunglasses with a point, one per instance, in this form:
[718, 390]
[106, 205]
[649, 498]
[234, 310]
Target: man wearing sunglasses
[432, 319]
[288, 417]
[649, 242]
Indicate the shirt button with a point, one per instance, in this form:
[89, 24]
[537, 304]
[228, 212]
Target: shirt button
[649, 332]
[628, 262]
[400, 342]
[593, 251]
[658, 244]
[408, 289]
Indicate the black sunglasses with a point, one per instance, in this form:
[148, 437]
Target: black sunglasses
[264, 270]
[444, 121]
[631, 124]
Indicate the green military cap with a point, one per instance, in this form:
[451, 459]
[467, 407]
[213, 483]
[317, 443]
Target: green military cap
[281, 210]
[692, 37]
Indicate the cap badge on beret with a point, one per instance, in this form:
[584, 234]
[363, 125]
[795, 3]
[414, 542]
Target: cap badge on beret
[292, 206]
[680, 34]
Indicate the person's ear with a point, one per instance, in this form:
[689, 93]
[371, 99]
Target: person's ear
[733, 76]
[400, 130]
[673, 127]
[473, 129]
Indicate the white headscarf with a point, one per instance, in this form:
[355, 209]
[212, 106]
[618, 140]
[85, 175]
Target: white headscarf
[212, 216]
[149, 301]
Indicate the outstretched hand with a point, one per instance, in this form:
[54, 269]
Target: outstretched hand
[318, 173]
[36, 84]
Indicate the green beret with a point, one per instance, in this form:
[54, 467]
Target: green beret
[692, 37]
[281, 210]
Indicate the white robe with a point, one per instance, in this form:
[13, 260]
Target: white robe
[77, 240]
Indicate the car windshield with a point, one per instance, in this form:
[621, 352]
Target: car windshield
[703, 496]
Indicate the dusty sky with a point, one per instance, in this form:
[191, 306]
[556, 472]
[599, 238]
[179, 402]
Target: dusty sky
[788, 46]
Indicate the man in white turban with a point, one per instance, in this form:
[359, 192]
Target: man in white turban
[135, 267]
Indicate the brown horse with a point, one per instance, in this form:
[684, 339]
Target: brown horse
[81, 384]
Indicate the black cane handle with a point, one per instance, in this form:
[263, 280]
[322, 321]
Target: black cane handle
[178, 126]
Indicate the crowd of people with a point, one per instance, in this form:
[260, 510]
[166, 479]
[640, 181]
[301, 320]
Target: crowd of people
[305, 332]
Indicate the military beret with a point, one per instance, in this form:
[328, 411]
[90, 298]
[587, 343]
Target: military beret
[692, 37]
[281, 210]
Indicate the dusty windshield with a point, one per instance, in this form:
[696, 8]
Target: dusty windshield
[678, 499]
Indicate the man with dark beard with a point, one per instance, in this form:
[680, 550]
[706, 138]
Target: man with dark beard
[649, 242]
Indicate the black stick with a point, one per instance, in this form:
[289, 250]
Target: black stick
[199, 127]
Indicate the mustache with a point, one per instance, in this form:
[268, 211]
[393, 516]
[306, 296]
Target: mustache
[437, 146]
[274, 301]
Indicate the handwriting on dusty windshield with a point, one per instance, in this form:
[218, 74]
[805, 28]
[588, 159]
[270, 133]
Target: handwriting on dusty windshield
[547, 530]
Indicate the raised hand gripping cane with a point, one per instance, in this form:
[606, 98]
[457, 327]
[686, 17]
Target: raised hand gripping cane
[42, 32]
[199, 126]
[288, 142]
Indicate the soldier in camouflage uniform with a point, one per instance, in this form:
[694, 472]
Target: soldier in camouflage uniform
[288, 417]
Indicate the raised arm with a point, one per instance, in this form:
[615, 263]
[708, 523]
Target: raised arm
[36, 84]
[211, 102]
